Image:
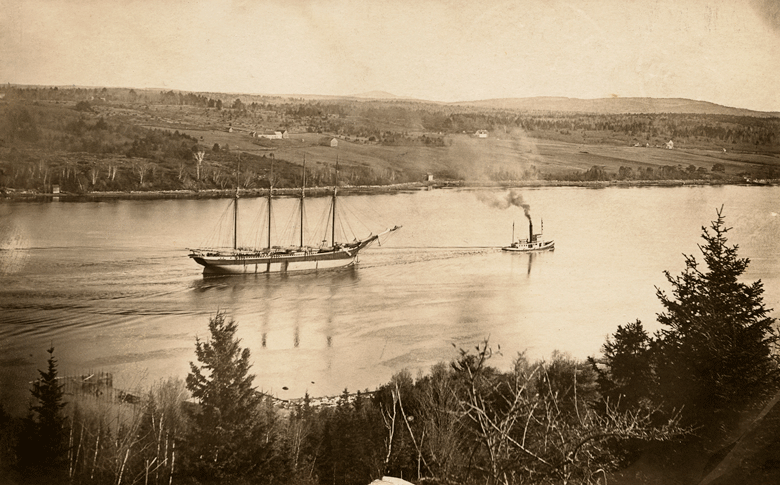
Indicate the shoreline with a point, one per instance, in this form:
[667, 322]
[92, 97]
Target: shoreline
[12, 194]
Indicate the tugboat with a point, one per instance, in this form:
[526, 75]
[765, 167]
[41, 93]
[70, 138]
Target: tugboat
[535, 242]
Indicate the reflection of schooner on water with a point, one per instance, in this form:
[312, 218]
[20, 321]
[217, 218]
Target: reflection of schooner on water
[277, 259]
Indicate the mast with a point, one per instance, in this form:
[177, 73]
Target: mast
[270, 190]
[333, 208]
[303, 194]
[235, 206]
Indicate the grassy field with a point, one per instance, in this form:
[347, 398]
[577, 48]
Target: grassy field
[465, 156]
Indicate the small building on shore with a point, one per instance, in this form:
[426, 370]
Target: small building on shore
[273, 134]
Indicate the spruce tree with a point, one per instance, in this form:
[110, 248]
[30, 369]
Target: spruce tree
[716, 351]
[625, 378]
[43, 446]
[225, 436]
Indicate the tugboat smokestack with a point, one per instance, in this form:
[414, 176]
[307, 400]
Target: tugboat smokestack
[530, 231]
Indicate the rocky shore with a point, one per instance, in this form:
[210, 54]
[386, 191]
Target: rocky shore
[365, 189]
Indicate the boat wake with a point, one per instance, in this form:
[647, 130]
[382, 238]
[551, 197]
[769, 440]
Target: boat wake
[412, 255]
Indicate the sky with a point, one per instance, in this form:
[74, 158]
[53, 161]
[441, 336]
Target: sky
[723, 51]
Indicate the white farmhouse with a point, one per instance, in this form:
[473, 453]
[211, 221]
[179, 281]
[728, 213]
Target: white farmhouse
[271, 135]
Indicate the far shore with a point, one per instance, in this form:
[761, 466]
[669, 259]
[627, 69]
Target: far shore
[365, 189]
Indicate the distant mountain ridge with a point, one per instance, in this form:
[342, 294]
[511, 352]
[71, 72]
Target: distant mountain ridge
[562, 104]
[376, 95]
[614, 106]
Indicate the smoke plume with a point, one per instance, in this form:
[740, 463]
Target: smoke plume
[513, 199]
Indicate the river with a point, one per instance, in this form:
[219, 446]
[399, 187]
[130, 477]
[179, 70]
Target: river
[110, 286]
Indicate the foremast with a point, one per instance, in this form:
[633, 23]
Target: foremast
[235, 205]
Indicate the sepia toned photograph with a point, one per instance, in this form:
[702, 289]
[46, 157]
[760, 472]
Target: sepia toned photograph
[430, 242]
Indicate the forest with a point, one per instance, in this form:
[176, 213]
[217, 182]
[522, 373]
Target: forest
[87, 140]
[672, 407]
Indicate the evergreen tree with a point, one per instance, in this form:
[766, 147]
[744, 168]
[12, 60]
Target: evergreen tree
[715, 355]
[43, 444]
[225, 438]
[626, 378]
[715, 352]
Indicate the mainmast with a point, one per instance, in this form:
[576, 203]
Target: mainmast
[270, 190]
[333, 208]
[303, 194]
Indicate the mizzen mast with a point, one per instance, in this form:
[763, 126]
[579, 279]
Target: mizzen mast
[235, 204]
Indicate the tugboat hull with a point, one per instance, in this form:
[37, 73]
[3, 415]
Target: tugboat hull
[533, 243]
[520, 248]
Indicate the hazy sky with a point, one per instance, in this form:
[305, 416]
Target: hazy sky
[726, 52]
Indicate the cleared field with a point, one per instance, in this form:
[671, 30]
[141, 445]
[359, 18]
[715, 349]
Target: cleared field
[463, 156]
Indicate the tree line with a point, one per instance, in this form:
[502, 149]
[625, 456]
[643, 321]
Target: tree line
[713, 363]
[82, 152]
[102, 96]
[351, 117]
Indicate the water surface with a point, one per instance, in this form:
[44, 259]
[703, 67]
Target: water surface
[109, 284]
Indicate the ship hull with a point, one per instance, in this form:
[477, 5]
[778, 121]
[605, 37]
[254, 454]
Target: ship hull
[294, 260]
[238, 264]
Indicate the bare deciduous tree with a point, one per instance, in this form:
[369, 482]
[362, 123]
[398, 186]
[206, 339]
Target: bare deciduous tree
[198, 156]
[532, 424]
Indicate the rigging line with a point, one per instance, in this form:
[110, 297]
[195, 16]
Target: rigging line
[352, 231]
[318, 227]
[304, 222]
[218, 238]
[356, 215]
[263, 242]
[215, 239]
[351, 212]
[275, 229]
[260, 223]
[331, 221]
[289, 228]
[369, 212]
[342, 231]
[258, 232]
[370, 207]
